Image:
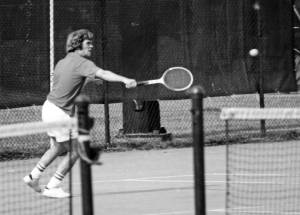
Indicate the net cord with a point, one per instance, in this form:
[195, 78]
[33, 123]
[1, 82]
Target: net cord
[30, 128]
[259, 113]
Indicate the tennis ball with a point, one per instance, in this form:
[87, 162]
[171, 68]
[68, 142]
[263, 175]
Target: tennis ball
[253, 52]
[256, 6]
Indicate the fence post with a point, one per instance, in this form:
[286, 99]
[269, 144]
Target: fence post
[197, 94]
[257, 8]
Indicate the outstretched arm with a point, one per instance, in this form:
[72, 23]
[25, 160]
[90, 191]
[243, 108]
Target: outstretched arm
[113, 77]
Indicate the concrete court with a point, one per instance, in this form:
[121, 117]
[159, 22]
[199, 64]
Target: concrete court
[155, 182]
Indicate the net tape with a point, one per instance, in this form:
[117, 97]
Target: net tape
[30, 128]
[259, 113]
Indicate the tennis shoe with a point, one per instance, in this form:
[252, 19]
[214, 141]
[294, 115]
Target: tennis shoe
[32, 183]
[56, 192]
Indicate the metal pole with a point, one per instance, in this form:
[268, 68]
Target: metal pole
[198, 141]
[257, 8]
[84, 125]
[71, 175]
[105, 85]
[51, 40]
[227, 130]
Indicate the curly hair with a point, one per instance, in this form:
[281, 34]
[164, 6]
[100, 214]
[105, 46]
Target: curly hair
[75, 39]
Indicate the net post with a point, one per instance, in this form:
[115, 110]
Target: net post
[257, 8]
[227, 129]
[197, 94]
[84, 126]
[70, 173]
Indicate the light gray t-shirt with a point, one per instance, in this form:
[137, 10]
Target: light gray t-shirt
[69, 77]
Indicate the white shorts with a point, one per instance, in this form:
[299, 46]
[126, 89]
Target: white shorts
[50, 113]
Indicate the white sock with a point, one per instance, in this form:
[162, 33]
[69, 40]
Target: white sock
[55, 180]
[37, 170]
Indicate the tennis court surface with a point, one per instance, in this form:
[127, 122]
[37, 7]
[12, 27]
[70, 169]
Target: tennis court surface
[136, 182]
[160, 182]
[256, 175]
[155, 182]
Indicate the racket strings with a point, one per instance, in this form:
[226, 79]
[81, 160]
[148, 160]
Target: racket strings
[177, 78]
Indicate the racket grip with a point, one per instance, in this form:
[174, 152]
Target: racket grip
[142, 83]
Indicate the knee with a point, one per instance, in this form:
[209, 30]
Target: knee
[74, 154]
[58, 148]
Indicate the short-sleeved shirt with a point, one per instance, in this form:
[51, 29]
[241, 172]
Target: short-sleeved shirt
[69, 77]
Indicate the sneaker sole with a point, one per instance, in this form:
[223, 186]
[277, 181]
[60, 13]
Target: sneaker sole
[28, 182]
[56, 197]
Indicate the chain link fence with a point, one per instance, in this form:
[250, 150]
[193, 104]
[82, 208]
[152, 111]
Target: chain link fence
[131, 36]
[175, 118]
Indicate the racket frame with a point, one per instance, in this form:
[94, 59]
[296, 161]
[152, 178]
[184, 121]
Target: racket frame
[161, 80]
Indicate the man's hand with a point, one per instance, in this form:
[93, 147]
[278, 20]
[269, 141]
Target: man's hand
[130, 83]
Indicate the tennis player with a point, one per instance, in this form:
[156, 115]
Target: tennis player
[69, 77]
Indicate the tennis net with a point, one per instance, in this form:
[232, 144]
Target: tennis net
[263, 175]
[21, 146]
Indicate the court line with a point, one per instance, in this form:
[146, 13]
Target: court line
[248, 174]
[145, 179]
[222, 210]
[263, 212]
[166, 176]
[253, 182]
[171, 213]
[233, 209]
[245, 210]
[163, 179]
[252, 210]
[142, 191]
[156, 180]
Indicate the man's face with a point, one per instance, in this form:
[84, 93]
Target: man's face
[87, 47]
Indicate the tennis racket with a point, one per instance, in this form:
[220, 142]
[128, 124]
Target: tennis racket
[174, 78]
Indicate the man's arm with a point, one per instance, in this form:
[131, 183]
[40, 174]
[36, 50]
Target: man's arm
[113, 77]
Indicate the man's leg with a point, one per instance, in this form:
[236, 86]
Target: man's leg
[53, 188]
[49, 156]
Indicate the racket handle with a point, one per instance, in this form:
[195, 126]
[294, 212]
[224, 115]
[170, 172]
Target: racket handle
[142, 83]
[148, 82]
